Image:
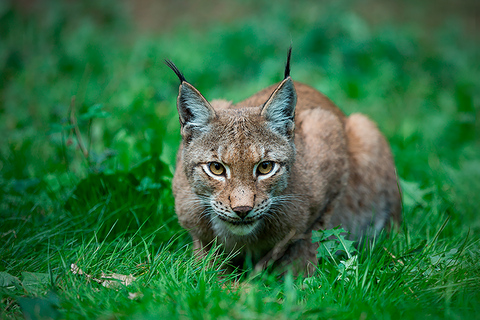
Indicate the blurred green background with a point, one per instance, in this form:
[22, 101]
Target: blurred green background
[411, 66]
[80, 77]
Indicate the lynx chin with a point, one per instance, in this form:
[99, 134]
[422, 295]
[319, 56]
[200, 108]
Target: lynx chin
[259, 175]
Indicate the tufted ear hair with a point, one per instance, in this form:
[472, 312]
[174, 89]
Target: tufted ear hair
[279, 110]
[194, 111]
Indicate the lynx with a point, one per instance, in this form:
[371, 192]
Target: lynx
[260, 175]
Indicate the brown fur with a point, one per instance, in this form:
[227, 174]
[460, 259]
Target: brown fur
[335, 170]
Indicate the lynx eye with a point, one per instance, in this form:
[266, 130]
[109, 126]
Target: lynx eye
[265, 167]
[216, 168]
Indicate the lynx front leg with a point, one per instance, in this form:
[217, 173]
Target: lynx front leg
[300, 257]
[213, 256]
[200, 251]
[296, 253]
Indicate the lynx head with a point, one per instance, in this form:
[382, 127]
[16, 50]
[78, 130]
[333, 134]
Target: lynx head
[237, 159]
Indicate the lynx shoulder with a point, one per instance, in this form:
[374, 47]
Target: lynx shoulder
[259, 175]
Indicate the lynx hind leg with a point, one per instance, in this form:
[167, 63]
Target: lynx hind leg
[372, 198]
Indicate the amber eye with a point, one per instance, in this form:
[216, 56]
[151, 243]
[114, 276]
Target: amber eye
[265, 167]
[216, 168]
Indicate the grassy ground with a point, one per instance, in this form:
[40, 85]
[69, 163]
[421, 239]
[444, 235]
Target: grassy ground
[89, 131]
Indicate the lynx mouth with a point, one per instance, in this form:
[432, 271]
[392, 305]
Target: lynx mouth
[239, 227]
[245, 222]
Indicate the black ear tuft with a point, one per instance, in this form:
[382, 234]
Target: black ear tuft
[287, 66]
[179, 74]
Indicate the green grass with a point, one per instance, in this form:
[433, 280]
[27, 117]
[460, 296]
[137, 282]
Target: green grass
[112, 211]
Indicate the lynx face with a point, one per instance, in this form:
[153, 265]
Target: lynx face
[238, 164]
[237, 160]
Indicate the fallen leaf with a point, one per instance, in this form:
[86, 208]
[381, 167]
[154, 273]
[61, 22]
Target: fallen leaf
[75, 269]
[112, 280]
[135, 295]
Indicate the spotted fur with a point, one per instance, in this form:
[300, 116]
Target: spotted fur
[329, 170]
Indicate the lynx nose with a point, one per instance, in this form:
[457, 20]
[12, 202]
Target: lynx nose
[242, 211]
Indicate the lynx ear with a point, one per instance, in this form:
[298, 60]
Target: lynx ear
[194, 110]
[279, 110]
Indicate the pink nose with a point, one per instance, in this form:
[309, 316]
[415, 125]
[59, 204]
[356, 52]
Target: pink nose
[242, 211]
